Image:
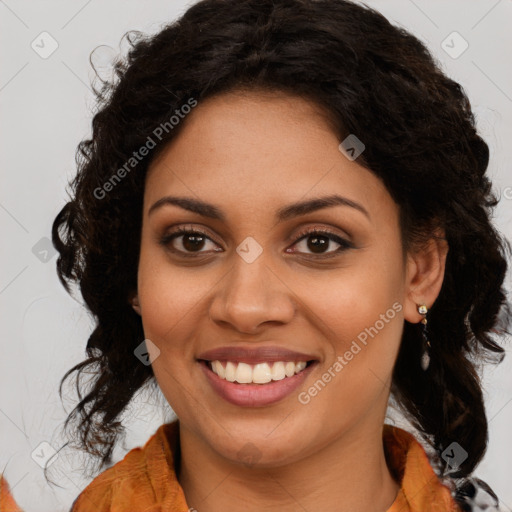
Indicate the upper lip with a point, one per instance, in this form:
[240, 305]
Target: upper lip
[254, 355]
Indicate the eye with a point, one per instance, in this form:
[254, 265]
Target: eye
[318, 240]
[189, 242]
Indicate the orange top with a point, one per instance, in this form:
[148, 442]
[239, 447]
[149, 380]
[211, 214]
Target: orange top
[146, 480]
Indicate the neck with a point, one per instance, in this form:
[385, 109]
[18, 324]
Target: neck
[348, 474]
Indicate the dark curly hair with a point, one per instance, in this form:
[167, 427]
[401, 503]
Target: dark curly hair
[374, 80]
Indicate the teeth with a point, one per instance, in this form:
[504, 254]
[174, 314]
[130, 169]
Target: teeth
[219, 369]
[289, 369]
[300, 366]
[278, 371]
[243, 373]
[230, 371]
[260, 373]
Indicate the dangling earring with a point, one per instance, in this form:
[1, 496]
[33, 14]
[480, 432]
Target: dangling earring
[425, 357]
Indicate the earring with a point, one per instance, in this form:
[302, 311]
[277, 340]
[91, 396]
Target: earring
[425, 357]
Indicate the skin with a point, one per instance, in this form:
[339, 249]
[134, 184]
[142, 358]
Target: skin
[250, 154]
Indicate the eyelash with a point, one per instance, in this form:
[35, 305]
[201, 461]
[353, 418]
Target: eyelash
[344, 244]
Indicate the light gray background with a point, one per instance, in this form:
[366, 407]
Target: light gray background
[46, 110]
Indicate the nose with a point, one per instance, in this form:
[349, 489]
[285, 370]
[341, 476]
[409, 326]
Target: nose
[252, 295]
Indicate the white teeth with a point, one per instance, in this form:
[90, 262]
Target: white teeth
[300, 366]
[278, 371]
[219, 369]
[243, 373]
[260, 373]
[289, 369]
[230, 371]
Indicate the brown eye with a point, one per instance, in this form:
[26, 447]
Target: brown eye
[193, 242]
[187, 242]
[318, 242]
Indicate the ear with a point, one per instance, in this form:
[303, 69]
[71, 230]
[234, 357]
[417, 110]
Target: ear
[425, 275]
[134, 301]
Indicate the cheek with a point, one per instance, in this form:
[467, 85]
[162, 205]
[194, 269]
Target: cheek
[364, 330]
[169, 298]
[359, 311]
[355, 297]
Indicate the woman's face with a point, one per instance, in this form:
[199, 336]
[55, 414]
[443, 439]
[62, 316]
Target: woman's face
[253, 279]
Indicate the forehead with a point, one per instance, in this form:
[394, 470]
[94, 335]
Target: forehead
[242, 149]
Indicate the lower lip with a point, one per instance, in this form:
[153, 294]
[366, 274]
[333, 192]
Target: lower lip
[255, 395]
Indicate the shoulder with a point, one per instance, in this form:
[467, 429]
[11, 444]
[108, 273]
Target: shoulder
[419, 474]
[137, 479]
[7, 502]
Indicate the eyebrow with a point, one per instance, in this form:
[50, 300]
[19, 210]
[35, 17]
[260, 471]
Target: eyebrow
[285, 213]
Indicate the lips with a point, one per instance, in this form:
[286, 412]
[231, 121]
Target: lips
[255, 395]
[254, 355]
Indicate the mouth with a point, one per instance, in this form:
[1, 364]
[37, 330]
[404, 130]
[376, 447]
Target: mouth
[260, 373]
[255, 384]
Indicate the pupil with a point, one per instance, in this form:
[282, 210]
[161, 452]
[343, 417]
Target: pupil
[192, 242]
[317, 242]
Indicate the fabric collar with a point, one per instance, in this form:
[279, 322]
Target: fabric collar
[145, 479]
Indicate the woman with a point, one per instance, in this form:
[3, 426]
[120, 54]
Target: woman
[281, 220]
